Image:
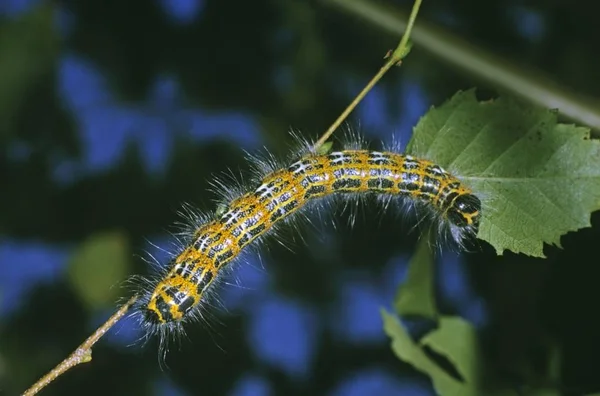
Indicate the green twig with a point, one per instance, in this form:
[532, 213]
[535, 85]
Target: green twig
[393, 58]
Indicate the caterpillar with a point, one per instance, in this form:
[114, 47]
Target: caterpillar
[279, 193]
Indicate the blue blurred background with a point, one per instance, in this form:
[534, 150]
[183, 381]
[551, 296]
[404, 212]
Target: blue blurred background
[113, 114]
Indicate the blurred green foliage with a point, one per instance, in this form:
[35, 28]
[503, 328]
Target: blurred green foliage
[29, 47]
[452, 353]
[98, 266]
[416, 297]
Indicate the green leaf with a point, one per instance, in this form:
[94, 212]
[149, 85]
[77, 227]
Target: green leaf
[221, 209]
[537, 179]
[99, 264]
[410, 352]
[416, 296]
[28, 48]
[456, 339]
[324, 148]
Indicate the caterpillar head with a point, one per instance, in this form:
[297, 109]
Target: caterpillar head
[169, 303]
[465, 211]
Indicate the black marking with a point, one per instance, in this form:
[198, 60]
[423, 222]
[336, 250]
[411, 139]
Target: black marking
[286, 196]
[404, 186]
[250, 222]
[206, 279]
[199, 241]
[207, 240]
[409, 165]
[251, 234]
[381, 172]
[345, 172]
[380, 184]
[379, 158]
[274, 188]
[339, 159]
[172, 292]
[410, 182]
[223, 258]
[316, 178]
[423, 196]
[336, 159]
[290, 206]
[237, 231]
[379, 161]
[214, 250]
[309, 165]
[187, 270]
[294, 167]
[462, 208]
[468, 203]
[197, 275]
[245, 239]
[163, 309]
[283, 211]
[233, 217]
[247, 211]
[410, 177]
[430, 185]
[314, 190]
[436, 170]
[276, 215]
[346, 184]
[152, 317]
[186, 304]
[448, 200]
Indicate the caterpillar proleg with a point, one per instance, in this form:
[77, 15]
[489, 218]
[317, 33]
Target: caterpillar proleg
[277, 194]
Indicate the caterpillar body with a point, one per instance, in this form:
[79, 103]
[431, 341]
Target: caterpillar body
[177, 295]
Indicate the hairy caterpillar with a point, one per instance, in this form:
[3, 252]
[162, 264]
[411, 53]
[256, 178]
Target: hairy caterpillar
[280, 192]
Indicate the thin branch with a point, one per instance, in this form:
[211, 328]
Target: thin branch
[393, 58]
[82, 354]
[474, 61]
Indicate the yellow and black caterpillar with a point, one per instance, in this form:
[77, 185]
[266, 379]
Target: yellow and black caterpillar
[178, 293]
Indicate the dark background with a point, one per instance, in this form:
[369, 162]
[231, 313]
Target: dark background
[114, 113]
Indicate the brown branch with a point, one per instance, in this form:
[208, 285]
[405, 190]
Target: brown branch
[82, 354]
